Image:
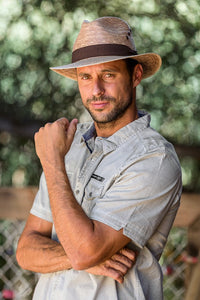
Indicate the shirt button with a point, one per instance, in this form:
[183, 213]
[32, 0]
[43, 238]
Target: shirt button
[90, 194]
[77, 192]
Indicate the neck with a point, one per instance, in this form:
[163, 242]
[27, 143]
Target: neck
[108, 129]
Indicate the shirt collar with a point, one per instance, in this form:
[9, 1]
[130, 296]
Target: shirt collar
[118, 137]
[132, 128]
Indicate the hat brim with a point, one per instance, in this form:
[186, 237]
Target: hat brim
[151, 63]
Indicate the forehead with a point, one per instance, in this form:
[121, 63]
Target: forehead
[117, 66]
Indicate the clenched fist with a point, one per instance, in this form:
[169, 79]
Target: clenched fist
[53, 141]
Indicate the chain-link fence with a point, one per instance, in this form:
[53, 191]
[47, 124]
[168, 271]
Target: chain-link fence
[19, 283]
[173, 265]
[14, 282]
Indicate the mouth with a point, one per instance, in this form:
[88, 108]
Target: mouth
[99, 104]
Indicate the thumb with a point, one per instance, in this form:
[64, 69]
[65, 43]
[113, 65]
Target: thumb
[63, 122]
[72, 129]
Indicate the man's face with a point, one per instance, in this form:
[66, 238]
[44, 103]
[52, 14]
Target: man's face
[106, 90]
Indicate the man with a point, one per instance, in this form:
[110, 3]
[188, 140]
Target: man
[110, 188]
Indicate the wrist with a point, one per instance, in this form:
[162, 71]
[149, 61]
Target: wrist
[54, 172]
[53, 165]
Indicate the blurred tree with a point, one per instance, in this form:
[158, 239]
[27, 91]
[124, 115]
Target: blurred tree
[35, 35]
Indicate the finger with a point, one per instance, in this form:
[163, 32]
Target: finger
[125, 256]
[72, 129]
[123, 260]
[47, 125]
[115, 274]
[38, 133]
[118, 266]
[128, 253]
[64, 122]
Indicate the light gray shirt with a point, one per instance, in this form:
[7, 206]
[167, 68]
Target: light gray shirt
[131, 180]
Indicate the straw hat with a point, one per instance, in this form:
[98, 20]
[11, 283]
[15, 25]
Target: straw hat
[103, 40]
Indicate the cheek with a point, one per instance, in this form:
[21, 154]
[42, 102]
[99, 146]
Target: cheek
[83, 92]
[120, 87]
[127, 88]
[112, 89]
[123, 92]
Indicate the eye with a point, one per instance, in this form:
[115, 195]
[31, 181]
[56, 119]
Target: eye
[84, 76]
[109, 75]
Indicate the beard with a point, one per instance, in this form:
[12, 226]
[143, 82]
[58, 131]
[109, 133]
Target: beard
[119, 108]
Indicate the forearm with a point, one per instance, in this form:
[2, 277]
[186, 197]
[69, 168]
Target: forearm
[86, 242]
[73, 227]
[42, 255]
[82, 239]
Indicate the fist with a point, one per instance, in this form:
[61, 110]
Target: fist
[53, 141]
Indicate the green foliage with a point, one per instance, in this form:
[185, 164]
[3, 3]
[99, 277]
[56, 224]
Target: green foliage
[35, 35]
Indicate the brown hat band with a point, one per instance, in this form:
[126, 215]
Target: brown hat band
[102, 50]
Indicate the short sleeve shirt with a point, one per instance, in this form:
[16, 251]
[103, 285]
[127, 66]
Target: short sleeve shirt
[131, 181]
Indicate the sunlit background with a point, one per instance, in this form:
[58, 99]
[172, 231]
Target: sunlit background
[35, 35]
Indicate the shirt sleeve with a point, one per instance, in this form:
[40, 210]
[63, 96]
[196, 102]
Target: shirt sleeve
[141, 197]
[41, 205]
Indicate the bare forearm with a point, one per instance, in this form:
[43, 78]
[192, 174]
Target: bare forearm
[86, 242]
[81, 238]
[73, 227]
[42, 255]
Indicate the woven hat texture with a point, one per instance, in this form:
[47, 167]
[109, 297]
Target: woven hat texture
[103, 40]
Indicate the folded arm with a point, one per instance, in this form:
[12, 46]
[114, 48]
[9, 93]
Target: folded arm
[86, 242]
[37, 252]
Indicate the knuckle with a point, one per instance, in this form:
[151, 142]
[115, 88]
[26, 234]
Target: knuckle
[47, 125]
[62, 121]
[112, 263]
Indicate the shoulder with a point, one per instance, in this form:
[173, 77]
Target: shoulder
[82, 129]
[153, 157]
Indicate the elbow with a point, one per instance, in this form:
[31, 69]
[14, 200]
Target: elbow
[19, 257]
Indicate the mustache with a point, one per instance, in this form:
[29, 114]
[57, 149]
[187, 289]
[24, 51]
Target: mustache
[101, 98]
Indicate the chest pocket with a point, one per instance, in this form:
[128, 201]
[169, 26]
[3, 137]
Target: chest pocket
[93, 189]
[93, 192]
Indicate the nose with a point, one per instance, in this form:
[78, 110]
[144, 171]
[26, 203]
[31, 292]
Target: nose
[98, 88]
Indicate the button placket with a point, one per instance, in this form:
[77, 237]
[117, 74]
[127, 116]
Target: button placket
[91, 164]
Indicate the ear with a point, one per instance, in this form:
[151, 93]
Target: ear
[137, 75]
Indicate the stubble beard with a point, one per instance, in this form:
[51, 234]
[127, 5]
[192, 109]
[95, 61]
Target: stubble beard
[115, 114]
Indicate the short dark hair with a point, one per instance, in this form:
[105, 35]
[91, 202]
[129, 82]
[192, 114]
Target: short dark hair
[130, 64]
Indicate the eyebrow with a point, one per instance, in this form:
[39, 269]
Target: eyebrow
[109, 70]
[102, 71]
[83, 73]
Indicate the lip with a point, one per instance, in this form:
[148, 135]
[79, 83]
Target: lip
[99, 104]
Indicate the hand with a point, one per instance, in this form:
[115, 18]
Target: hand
[53, 141]
[117, 266]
